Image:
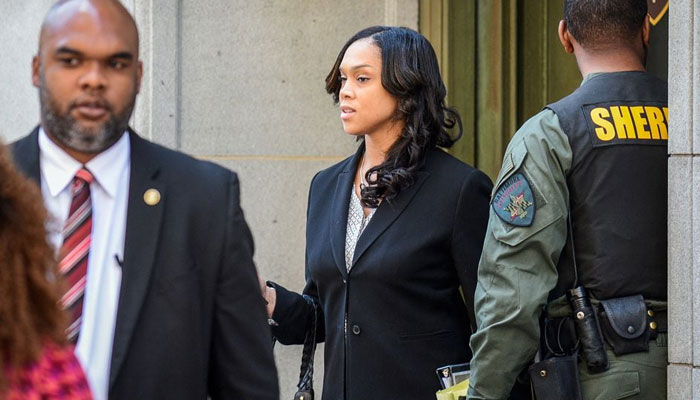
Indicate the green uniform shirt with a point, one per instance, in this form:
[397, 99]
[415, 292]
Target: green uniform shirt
[518, 266]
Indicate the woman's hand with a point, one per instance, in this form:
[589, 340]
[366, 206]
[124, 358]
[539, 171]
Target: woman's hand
[269, 295]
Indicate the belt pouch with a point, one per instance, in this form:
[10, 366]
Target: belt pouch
[556, 378]
[624, 324]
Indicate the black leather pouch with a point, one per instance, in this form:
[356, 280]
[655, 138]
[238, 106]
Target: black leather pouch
[556, 378]
[624, 324]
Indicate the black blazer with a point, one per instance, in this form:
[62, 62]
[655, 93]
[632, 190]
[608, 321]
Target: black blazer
[398, 315]
[190, 319]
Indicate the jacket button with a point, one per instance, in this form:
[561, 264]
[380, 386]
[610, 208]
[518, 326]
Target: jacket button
[356, 329]
[344, 281]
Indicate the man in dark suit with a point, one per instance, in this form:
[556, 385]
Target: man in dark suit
[153, 247]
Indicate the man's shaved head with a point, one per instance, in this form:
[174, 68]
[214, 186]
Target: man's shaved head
[88, 74]
[63, 11]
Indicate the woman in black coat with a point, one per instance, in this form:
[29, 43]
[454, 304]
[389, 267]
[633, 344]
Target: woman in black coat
[392, 232]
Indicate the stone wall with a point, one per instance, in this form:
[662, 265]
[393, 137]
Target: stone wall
[684, 201]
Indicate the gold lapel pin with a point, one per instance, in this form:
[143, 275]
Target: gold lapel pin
[151, 197]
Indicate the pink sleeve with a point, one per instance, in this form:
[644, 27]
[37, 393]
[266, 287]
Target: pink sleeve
[56, 376]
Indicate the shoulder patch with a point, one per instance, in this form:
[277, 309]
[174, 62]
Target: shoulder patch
[514, 201]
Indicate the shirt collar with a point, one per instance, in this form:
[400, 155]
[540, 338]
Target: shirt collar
[594, 74]
[589, 76]
[58, 167]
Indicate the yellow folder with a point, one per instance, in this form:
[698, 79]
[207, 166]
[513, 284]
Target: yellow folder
[453, 392]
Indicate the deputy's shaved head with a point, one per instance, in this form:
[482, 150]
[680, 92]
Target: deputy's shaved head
[64, 12]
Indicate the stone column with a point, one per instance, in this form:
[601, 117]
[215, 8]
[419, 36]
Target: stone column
[684, 201]
[19, 33]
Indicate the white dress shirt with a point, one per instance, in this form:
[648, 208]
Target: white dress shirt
[109, 195]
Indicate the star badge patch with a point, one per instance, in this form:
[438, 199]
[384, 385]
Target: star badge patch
[514, 202]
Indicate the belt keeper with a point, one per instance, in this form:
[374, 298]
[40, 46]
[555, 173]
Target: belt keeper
[653, 325]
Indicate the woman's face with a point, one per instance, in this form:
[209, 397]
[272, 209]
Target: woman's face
[366, 108]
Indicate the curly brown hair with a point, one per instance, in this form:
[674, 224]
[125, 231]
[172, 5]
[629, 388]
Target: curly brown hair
[30, 313]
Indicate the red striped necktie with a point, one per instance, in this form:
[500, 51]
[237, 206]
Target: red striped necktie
[75, 249]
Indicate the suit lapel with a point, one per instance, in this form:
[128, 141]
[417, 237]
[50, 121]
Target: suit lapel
[385, 215]
[339, 210]
[143, 223]
[25, 154]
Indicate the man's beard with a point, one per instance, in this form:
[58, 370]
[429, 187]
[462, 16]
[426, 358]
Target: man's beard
[67, 131]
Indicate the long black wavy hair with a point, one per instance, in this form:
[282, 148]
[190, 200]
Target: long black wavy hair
[410, 72]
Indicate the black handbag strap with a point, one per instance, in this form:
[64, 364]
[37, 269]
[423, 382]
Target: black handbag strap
[306, 372]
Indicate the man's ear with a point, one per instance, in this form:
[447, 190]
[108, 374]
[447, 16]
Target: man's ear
[36, 66]
[565, 37]
[139, 76]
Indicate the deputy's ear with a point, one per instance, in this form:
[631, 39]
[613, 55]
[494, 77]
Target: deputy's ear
[565, 37]
[646, 31]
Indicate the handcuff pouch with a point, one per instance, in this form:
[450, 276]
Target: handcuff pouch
[624, 324]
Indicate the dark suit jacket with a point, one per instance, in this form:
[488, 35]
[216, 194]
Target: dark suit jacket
[190, 319]
[398, 315]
